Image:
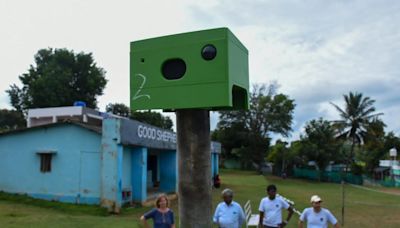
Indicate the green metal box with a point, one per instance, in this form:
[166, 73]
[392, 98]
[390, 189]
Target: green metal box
[204, 69]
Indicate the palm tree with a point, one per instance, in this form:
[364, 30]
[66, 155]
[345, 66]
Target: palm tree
[355, 119]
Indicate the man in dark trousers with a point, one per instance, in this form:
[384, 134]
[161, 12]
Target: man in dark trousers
[271, 210]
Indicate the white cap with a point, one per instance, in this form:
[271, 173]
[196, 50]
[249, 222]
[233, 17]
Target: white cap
[315, 198]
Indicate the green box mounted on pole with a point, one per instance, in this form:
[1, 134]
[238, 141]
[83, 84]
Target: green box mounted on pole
[196, 70]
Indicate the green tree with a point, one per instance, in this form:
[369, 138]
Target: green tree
[391, 141]
[11, 120]
[282, 157]
[233, 138]
[319, 143]
[269, 113]
[59, 78]
[297, 154]
[354, 120]
[153, 118]
[119, 109]
[373, 148]
[149, 117]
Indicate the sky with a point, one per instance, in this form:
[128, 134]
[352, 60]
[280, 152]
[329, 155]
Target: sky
[316, 51]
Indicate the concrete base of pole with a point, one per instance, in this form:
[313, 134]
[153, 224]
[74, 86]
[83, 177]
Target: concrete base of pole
[194, 168]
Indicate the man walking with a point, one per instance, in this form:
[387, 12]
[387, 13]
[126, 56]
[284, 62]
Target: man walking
[316, 216]
[228, 214]
[271, 210]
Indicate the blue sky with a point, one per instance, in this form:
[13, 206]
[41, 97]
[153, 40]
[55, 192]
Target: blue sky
[315, 50]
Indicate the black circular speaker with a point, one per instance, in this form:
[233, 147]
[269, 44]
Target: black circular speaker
[209, 52]
[173, 69]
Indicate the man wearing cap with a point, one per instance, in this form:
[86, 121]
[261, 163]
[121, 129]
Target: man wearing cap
[316, 216]
[228, 214]
[271, 210]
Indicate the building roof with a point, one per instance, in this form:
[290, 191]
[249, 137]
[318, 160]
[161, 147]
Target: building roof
[132, 132]
[93, 128]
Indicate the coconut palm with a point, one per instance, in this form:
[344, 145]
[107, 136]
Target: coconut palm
[355, 119]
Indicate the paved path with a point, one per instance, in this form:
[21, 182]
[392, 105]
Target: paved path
[374, 190]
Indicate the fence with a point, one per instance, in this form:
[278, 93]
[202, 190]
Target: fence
[335, 177]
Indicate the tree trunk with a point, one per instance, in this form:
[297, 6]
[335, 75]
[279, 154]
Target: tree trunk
[194, 159]
[350, 159]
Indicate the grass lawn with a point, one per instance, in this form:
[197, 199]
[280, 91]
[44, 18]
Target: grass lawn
[364, 208]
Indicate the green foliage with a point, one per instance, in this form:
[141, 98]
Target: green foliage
[231, 136]
[283, 157]
[153, 118]
[373, 148]
[59, 78]
[355, 119]
[250, 130]
[319, 143]
[357, 169]
[11, 120]
[119, 109]
[149, 117]
[391, 141]
[377, 145]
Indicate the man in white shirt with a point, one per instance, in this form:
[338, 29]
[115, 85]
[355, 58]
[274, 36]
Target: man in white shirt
[316, 216]
[271, 210]
[228, 214]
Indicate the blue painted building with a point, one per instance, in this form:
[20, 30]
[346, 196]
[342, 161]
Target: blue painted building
[112, 163]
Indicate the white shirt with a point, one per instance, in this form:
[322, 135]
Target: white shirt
[231, 216]
[317, 220]
[272, 210]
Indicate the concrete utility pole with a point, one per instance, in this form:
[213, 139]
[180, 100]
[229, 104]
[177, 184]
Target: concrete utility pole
[194, 168]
